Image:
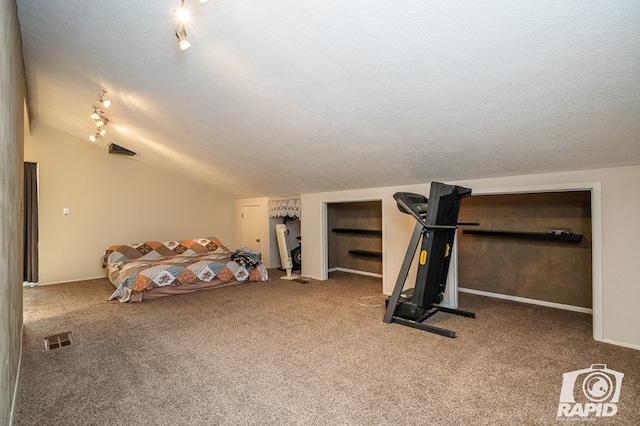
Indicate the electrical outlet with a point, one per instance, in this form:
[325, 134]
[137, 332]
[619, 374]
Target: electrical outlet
[65, 211]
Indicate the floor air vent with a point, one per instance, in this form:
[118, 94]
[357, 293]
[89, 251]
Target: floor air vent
[57, 341]
[120, 150]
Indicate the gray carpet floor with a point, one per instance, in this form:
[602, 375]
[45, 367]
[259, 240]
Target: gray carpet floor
[286, 353]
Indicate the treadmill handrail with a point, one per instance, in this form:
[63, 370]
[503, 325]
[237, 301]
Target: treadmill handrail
[441, 226]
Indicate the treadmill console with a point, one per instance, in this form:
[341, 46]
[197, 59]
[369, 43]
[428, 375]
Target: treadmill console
[413, 204]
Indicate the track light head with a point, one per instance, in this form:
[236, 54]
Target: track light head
[102, 121]
[96, 113]
[182, 39]
[96, 135]
[103, 98]
[182, 13]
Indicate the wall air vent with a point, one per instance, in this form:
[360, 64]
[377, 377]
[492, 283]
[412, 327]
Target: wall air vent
[117, 149]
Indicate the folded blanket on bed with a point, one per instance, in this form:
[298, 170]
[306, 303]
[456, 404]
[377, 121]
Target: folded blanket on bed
[247, 257]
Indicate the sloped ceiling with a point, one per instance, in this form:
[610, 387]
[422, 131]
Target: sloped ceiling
[298, 96]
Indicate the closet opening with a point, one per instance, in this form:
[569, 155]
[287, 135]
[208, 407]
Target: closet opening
[354, 237]
[531, 247]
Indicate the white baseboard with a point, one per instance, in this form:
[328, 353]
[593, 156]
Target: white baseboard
[626, 345]
[355, 271]
[527, 300]
[73, 281]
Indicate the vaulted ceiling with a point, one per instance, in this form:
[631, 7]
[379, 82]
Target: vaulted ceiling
[298, 96]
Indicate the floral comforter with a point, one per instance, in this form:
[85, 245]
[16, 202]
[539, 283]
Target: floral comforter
[139, 267]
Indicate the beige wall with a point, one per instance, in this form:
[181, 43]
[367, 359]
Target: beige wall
[620, 236]
[12, 93]
[112, 200]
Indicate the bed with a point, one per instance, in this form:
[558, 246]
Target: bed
[155, 269]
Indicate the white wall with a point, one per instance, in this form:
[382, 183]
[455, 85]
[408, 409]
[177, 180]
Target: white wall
[620, 236]
[112, 200]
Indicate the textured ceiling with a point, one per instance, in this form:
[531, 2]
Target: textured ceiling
[297, 96]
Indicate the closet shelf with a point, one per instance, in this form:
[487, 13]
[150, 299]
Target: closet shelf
[573, 238]
[366, 253]
[376, 232]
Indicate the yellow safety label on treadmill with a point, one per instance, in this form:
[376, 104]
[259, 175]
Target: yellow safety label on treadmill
[446, 251]
[423, 257]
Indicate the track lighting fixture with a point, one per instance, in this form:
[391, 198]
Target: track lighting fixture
[98, 116]
[102, 121]
[95, 136]
[98, 134]
[182, 13]
[96, 113]
[102, 98]
[182, 39]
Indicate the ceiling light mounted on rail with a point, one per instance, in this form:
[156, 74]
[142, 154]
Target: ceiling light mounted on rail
[101, 121]
[102, 98]
[96, 113]
[98, 116]
[100, 132]
[182, 38]
[183, 15]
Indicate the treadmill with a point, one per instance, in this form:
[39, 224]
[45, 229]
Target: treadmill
[435, 230]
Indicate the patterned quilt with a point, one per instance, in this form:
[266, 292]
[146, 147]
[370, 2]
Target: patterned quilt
[134, 268]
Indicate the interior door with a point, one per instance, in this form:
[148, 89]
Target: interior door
[252, 227]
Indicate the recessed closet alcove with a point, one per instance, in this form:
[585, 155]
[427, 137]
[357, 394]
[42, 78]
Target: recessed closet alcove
[535, 246]
[354, 237]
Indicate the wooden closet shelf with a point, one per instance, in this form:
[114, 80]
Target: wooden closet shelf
[367, 253]
[574, 238]
[377, 232]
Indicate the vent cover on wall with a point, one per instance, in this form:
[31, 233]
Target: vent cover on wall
[117, 149]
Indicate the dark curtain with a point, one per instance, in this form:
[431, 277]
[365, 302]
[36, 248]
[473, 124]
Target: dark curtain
[30, 273]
